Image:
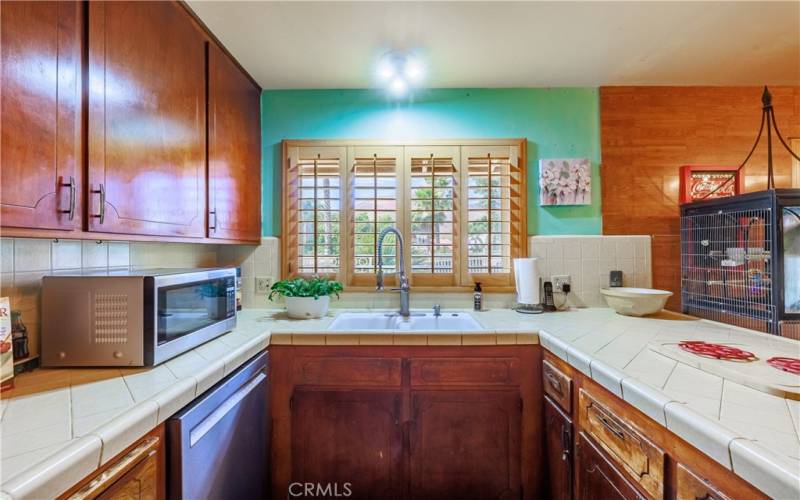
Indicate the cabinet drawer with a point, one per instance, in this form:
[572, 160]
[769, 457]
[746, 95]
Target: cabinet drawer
[557, 385]
[135, 475]
[358, 371]
[465, 371]
[640, 458]
[689, 486]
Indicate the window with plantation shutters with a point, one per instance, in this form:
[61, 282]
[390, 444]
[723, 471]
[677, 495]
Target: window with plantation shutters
[374, 205]
[314, 210]
[494, 219]
[460, 206]
[433, 222]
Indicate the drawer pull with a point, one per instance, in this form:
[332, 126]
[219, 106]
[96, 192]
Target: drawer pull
[611, 427]
[147, 448]
[554, 382]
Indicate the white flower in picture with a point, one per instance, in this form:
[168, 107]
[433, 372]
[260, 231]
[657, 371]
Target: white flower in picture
[565, 181]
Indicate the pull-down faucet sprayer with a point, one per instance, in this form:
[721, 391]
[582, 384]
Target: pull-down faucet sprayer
[401, 270]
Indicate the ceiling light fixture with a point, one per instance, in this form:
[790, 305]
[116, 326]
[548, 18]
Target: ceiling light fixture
[400, 72]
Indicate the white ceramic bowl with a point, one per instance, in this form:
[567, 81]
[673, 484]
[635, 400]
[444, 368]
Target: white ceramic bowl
[635, 301]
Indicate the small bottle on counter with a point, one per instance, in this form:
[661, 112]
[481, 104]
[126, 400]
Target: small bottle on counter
[477, 297]
[238, 288]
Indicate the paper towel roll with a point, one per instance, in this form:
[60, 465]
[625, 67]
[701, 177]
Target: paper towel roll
[526, 274]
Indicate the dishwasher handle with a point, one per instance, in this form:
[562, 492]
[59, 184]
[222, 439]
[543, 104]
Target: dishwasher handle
[208, 423]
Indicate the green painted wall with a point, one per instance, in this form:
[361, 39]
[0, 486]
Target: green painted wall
[557, 123]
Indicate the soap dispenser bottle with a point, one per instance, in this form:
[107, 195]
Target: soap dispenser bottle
[477, 297]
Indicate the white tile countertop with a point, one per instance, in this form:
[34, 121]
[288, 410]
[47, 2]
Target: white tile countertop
[59, 425]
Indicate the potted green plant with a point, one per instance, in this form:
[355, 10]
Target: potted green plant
[306, 298]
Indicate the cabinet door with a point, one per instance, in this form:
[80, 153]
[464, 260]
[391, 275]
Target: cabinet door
[558, 439]
[465, 444]
[597, 476]
[147, 113]
[234, 151]
[41, 100]
[347, 440]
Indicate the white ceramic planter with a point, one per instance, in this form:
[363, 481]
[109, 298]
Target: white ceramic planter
[307, 307]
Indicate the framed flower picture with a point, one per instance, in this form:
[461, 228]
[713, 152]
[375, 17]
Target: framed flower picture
[565, 181]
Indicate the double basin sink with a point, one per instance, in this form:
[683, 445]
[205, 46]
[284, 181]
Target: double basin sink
[447, 321]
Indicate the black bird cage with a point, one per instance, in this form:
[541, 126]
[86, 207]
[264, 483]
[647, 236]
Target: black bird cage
[740, 256]
[740, 260]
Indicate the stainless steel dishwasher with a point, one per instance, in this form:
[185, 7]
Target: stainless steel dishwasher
[218, 444]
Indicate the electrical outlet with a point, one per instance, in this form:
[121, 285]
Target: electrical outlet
[263, 285]
[559, 280]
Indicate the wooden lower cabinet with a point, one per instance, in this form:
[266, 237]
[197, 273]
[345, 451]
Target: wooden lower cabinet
[465, 444]
[622, 453]
[348, 440]
[558, 451]
[421, 426]
[138, 473]
[597, 477]
[689, 486]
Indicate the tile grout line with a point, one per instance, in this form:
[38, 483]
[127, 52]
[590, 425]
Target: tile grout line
[791, 417]
[672, 371]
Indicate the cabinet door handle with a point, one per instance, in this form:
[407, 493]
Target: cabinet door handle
[72, 193]
[212, 227]
[102, 212]
[147, 448]
[566, 443]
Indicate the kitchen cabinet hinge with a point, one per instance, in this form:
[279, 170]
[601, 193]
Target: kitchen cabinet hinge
[291, 403]
[520, 404]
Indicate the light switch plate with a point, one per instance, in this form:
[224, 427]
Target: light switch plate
[263, 284]
[559, 280]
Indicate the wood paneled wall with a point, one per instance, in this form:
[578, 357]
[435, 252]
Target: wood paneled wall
[647, 133]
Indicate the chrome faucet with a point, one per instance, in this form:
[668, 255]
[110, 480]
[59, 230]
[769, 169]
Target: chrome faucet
[404, 289]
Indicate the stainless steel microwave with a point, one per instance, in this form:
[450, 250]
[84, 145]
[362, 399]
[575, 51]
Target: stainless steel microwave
[133, 318]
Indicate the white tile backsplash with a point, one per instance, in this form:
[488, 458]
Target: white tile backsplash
[95, 254]
[589, 260]
[66, 254]
[119, 254]
[31, 255]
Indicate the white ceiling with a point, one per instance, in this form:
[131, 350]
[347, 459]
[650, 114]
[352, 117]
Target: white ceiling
[513, 44]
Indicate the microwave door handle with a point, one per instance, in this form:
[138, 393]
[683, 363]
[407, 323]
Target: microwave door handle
[208, 423]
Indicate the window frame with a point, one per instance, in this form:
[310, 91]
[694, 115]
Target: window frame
[460, 150]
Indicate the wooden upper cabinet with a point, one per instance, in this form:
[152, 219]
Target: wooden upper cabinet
[40, 89]
[147, 120]
[234, 150]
